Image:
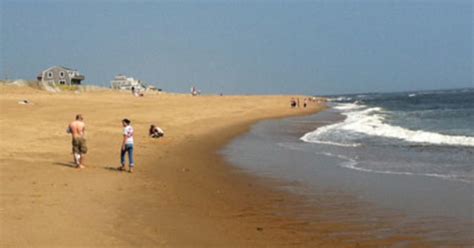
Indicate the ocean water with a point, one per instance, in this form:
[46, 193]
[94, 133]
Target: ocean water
[421, 133]
[409, 155]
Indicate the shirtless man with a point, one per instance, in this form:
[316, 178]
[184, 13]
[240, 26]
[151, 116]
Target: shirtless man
[79, 148]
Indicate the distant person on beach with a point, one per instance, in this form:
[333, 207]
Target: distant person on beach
[79, 148]
[127, 146]
[293, 103]
[155, 132]
[136, 92]
[305, 102]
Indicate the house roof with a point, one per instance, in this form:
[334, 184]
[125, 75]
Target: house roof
[65, 68]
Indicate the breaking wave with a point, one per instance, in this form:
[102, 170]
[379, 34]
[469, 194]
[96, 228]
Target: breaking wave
[371, 121]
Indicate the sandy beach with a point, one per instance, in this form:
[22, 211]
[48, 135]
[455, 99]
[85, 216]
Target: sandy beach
[183, 194]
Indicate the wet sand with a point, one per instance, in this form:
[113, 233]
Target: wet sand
[435, 210]
[183, 194]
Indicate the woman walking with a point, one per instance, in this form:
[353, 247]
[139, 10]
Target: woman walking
[127, 146]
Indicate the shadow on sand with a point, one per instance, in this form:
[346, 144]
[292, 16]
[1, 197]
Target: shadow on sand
[70, 164]
[112, 168]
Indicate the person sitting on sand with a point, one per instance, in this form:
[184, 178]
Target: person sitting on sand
[127, 146]
[293, 103]
[156, 132]
[79, 149]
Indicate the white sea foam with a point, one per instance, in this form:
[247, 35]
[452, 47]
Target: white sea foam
[316, 136]
[340, 99]
[371, 122]
[351, 163]
[334, 143]
[348, 106]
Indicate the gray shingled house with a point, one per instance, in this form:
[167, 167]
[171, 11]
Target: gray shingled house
[61, 75]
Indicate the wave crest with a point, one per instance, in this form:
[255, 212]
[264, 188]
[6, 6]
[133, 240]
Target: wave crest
[370, 121]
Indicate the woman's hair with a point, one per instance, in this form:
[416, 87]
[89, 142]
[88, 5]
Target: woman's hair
[127, 121]
[152, 129]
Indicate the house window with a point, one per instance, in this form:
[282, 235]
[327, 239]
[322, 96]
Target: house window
[62, 74]
[50, 74]
[62, 82]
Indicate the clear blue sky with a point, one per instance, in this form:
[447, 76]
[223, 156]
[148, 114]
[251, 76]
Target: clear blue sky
[241, 47]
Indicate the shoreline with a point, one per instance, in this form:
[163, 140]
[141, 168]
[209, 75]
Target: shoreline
[342, 195]
[248, 212]
[253, 211]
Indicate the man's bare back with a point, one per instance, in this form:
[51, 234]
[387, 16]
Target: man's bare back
[79, 148]
[77, 128]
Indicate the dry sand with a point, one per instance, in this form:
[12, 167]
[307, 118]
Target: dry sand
[182, 194]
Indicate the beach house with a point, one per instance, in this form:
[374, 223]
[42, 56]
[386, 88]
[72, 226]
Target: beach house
[122, 82]
[60, 75]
